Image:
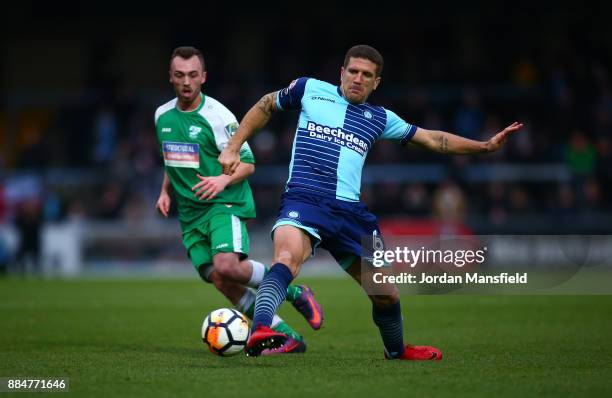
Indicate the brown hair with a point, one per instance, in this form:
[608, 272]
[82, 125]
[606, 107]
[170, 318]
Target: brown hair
[187, 52]
[366, 52]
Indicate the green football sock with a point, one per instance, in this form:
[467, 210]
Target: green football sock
[283, 327]
[293, 292]
[250, 311]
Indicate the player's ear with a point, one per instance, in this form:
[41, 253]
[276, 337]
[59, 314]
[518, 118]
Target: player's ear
[341, 72]
[170, 76]
[376, 83]
[203, 77]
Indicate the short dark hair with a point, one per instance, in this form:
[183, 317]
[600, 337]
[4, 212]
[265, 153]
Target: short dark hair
[366, 52]
[187, 52]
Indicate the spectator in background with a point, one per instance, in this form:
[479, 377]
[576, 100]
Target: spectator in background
[604, 157]
[33, 154]
[415, 200]
[4, 253]
[564, 203]
[581, 158]
[469, 118]
[580, 155]
[4, 256]
[265, 147]
[525, 73]
[28, 221]
[520, 205]
[105, 129]
[523, 147]
[3, 205]
[112, 200]
[496, 203]
[449, 203]
[592, 196]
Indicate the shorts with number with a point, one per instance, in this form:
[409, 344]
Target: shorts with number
[345, 229]
[222, 233]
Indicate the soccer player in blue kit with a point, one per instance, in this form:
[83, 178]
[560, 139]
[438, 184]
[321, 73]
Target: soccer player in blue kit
[320, 205]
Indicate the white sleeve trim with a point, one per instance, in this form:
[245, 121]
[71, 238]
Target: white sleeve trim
[164, 108]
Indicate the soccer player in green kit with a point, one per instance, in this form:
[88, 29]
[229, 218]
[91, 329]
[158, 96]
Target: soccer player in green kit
[192, 130]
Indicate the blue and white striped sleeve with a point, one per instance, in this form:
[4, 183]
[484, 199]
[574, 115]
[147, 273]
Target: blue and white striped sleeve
[291, 96]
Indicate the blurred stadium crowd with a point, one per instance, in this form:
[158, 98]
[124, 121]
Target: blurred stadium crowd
[76, 122]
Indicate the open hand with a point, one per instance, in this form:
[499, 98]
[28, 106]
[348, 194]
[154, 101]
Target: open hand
[209, 187]
[163, 204]
[498, 140]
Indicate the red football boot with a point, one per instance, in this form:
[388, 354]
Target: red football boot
[264, 338]
[291, 346]
[419, 353]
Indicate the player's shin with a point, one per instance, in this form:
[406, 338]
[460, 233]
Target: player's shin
[389, 321]
[271, 293]
[246, 305]
[259, 271]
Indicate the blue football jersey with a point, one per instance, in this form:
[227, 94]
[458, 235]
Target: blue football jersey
[333, 137]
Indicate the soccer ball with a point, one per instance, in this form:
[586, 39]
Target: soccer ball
[225, 331]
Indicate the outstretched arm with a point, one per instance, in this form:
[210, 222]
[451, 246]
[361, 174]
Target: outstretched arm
[443, 142]
[255, 119]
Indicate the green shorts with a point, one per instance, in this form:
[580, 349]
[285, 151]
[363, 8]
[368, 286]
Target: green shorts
[223, 233]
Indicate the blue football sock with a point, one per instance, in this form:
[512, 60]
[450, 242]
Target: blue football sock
[390, 324]
[271, 293]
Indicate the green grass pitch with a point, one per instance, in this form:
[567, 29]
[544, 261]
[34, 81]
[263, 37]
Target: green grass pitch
[142, 338]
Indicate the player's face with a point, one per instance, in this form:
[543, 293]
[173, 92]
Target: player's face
[187, 77]
[358, 80]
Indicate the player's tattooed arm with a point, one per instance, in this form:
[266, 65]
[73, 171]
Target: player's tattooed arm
[267, 104]
[446, 143]
[255, 119]
[443, 142]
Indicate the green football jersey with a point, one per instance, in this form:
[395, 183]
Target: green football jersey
[190, 143]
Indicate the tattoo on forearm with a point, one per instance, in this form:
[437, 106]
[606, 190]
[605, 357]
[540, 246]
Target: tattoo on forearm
[443, 141]
[266, 104]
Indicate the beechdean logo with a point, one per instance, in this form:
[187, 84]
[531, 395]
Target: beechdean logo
[368, 114]
[293, 214]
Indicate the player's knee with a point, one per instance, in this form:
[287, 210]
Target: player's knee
[226, 265]
[384, 301]
[288, 258]
[219, 282]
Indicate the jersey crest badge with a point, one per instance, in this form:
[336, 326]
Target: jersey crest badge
[231, 128]
[194, 131]
[368, 114]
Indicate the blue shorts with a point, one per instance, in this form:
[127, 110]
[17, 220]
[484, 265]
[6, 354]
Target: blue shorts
[335, 225]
